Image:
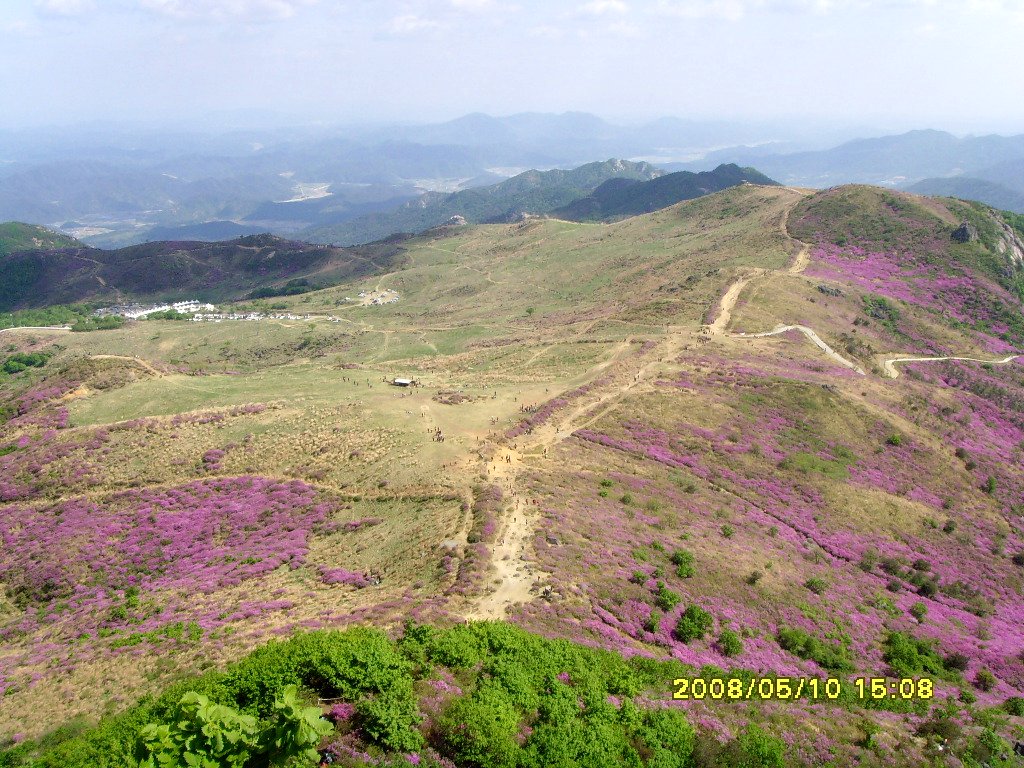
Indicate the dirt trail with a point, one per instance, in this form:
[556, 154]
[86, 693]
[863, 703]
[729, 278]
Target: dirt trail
[890, 369]
[810, 335]
[728, 303]
[800, 262]
[510, 558]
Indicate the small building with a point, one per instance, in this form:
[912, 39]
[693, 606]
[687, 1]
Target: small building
[402, 382]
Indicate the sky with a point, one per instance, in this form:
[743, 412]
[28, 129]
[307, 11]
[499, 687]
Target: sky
[901, 64]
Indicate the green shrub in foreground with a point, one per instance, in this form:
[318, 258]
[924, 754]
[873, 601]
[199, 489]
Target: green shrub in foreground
[525, 701]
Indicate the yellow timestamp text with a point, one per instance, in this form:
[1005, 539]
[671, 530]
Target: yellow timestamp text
[792, 688]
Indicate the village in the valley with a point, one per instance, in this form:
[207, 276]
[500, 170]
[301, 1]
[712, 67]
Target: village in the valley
[202, 312]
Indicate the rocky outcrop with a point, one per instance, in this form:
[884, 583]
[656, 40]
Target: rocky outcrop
[1011, 244]
[965, 233]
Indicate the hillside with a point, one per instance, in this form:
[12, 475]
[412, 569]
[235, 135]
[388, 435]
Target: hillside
[16, 236]
[759, 438]
[970, 188]
[178, 269]
[618, 198]
[529, 192]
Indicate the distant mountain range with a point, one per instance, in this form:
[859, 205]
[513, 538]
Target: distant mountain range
[529, 192]
[349, 184]
[112, 187]
[985, 168]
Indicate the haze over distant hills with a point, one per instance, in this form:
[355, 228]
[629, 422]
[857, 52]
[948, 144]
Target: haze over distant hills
[985, 168]
[112, 187]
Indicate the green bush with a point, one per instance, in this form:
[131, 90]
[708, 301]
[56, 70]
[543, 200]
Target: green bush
[730, 643]
[390, 718]
[683, 561]
[1014, 706]
[665, 598]
[108, 323]
[479, 734]
[908, 656]
[693, 624]
[816, 585]
[511, 679]
[985, 680]
[199, 732]
[919, 611]
[827, 655]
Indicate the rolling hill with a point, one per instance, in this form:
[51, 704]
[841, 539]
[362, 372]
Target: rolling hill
[16, 236]
[695, 478]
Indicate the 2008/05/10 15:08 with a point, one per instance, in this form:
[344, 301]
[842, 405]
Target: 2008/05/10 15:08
[791, 688]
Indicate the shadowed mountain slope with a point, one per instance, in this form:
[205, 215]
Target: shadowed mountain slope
[179, 269]
[618, 198]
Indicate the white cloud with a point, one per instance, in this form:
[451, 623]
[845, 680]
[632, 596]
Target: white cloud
[602, 7]
[732, 10]
[65, 7]
[625, 29]
[547, 32]
[474, 5]
[410, 23]
[15, 28]
[222, 10]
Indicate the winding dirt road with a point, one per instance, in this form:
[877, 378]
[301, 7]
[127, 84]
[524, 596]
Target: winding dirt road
[810, 335]
[888, 363]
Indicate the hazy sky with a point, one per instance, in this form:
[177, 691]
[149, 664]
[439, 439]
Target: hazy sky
[894, 63]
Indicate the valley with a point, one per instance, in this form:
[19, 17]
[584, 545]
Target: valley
[611, 423]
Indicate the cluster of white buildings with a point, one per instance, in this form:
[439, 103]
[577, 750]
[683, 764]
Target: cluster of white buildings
[137, 311]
